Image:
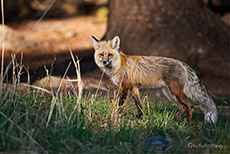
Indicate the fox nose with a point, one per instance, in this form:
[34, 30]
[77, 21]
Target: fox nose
[104, 62]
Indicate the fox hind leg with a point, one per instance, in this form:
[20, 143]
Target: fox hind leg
[171, 97]
[177, 90]
[181, 110]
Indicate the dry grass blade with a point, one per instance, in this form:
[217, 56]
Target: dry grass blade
[147, 102]
[72, 80]
[80, 85]
[54, 99]
[3, 46]
[39, 5]
[99, 84]
[63, 78]
[13, 57]
[35, 87]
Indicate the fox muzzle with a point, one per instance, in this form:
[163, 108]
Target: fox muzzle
[108, 64]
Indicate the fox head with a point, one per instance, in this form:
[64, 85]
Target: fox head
[107, 55]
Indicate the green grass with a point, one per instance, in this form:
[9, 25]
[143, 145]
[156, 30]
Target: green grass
[25, 126]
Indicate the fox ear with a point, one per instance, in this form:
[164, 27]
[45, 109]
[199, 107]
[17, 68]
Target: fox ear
[116, 42]
[95, 42]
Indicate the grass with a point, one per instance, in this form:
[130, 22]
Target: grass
[24, 125]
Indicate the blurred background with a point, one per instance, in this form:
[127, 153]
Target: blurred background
[41, 32]
[18, 10]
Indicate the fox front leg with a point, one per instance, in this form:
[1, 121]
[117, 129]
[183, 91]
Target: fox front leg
[138, 102]
[123, 96]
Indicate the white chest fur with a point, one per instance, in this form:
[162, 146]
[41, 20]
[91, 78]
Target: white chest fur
[115, 80]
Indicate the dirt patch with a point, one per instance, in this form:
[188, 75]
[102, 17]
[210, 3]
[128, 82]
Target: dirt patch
[52, 39]
[55, 35]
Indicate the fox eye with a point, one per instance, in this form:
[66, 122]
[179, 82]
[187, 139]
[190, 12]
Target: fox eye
[101, 54]
[110, 55]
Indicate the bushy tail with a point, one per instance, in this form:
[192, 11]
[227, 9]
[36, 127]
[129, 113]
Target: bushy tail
[195, 91]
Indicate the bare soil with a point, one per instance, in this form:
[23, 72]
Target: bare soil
[55, 35]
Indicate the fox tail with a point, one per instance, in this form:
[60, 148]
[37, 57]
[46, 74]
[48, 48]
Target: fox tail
[195, 91]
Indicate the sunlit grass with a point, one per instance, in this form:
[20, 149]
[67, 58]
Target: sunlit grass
[100, 128]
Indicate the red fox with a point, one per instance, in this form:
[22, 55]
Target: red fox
[176, 79]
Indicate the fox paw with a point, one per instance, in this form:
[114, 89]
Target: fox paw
[139, 115]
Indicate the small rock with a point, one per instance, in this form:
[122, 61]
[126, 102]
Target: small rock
[53, 82]
[158, 142]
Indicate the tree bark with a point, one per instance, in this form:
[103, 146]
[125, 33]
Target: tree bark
[185, 30]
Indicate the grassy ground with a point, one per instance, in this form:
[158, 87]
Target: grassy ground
[33, 121]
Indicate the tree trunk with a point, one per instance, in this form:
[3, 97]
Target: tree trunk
[185, 30]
